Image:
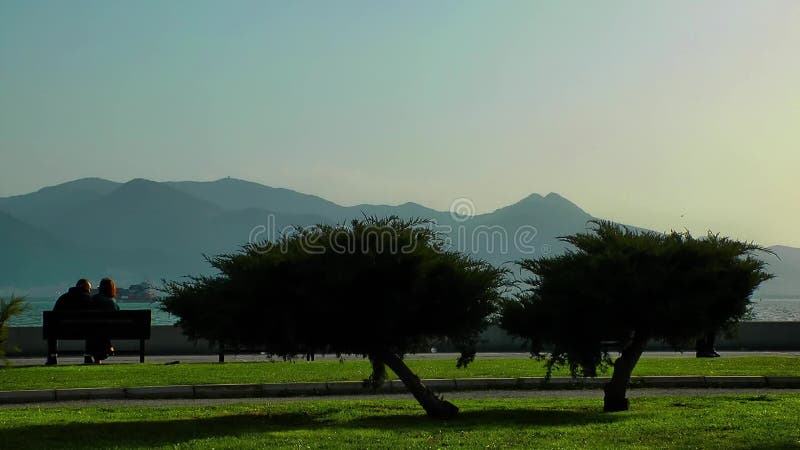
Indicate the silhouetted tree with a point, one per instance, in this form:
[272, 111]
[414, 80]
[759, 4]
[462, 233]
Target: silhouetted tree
[626, 287]
[8, 309]
[379, 288]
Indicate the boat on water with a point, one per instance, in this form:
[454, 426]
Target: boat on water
[137, 293]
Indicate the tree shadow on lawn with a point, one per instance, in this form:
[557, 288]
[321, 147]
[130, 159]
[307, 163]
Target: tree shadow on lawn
[168, 432]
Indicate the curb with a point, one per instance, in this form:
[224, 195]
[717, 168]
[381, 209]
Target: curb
[207, 391]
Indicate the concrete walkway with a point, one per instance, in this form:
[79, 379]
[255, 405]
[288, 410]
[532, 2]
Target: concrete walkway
[356, 388]
[249, 357]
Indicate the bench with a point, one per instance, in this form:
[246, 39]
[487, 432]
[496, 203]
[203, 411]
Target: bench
[83, 325]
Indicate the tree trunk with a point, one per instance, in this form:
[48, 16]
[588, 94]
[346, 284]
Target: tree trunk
[615, 389]
[433, 405]
[705, 346]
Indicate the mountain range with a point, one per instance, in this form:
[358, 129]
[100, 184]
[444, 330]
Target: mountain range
[144, 229]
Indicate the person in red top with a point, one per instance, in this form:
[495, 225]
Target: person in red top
[104, 300]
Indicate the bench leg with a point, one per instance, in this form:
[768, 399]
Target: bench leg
[52, 352]
[141, 350]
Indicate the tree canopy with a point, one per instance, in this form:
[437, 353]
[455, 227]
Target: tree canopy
[620, 288]
[379, 288]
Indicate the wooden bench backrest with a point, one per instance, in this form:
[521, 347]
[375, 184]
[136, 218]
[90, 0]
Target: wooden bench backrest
[129, 324]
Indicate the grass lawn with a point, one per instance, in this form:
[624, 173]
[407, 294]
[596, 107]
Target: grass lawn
[127, 375]
[742, 421]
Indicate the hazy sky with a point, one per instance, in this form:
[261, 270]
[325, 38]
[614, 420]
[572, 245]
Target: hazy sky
[663, 114]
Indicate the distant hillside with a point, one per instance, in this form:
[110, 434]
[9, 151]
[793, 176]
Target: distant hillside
[150, 230]
[406, 210]
[131, 231]
[26, 253]
[234, 194]
[532, 227]
[51, 202]
[139, 214]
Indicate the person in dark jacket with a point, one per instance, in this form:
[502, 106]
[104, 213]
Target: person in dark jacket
[104, 300]
[77, 298]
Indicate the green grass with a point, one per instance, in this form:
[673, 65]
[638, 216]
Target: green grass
[127, 375]
[729, 422]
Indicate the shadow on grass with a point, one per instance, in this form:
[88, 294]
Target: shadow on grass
[149, 433]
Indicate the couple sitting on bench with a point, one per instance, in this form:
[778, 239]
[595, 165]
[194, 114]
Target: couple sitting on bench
[79, 298]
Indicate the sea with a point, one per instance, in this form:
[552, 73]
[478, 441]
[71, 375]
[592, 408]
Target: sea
[33, 316]
[764, 310]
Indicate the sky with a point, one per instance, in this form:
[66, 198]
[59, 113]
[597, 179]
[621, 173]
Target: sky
[666, 115]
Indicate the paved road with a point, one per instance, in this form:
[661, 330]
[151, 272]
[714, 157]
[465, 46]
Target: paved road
[573, 393]
[161, 359]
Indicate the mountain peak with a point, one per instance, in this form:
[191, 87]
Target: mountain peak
[140, 186]
[236, 181]
[140, 192]
[532, 198]
[557, 199]
[553, 203]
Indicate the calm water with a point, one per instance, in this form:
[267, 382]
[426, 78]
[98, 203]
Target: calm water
[763, 310]
[777, 310]
[33, 317]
